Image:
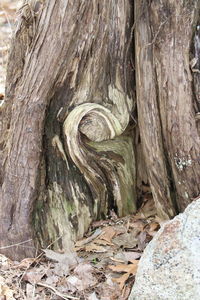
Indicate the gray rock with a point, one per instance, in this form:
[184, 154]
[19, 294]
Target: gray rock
[170, 265]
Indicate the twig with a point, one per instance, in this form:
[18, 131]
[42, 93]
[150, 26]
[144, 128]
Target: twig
[14, 245]
[63, 296]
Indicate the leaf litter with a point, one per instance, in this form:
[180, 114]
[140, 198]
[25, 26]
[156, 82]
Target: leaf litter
[103, 264]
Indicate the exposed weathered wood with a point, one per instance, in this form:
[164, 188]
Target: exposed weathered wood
[166, 102]
[70, 53]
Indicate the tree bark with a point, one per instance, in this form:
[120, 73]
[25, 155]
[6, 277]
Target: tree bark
[167, 101]
[70, 150]
[67, 152]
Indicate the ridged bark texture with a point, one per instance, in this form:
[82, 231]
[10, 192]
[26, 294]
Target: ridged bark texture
[166, 100]
[56, 177]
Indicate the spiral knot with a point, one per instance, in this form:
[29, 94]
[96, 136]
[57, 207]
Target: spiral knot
[91, 130]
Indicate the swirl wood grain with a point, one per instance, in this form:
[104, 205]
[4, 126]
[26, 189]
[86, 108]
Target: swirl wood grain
[95, 143]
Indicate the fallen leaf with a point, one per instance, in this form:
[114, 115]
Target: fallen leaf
[62, 269]
[138, 224]
[152, 228]
[103, 242]
[83, 268]
[83, 277]
[142, 240]
[97, 224]
[117, 260]
[109, 290]
[130, 269]
[126, 240]
[65, 261]
[126, 256]
[94, 248]
[121, 280]
[61, 257]
[52, 280]
[108, 234]
[88, 239]
[33, 276]
[25, 263]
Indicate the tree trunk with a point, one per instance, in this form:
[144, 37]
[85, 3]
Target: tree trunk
[167, 99]
[69, 149]
[67, 152]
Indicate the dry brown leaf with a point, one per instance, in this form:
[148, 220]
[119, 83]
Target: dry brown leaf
[94, 248]
[77, 249]
[121, 280]
[25, 263]
[131, 268]
[103, 242]
[117, 260]
[108, 234]
[154, 226]
[87, 240]
[138, 224]
[126, 240]
[97, 224]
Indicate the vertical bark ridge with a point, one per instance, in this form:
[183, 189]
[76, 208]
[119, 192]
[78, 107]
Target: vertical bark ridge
[165, 50]
[148, 113]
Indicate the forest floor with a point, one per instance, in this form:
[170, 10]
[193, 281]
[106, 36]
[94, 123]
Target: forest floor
[102, 265]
